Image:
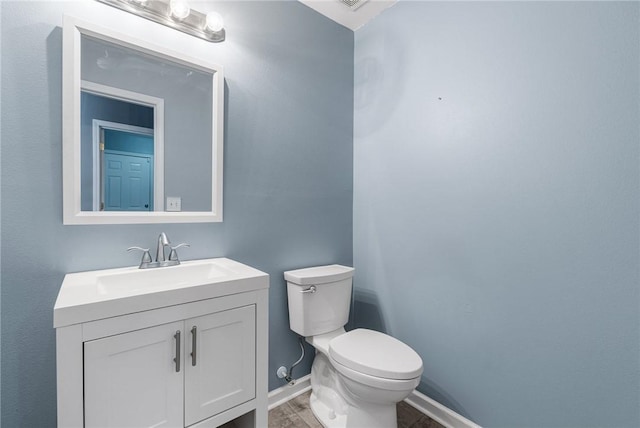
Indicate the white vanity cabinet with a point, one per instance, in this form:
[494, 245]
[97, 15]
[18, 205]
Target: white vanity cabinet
[207, 363]
[198, 363]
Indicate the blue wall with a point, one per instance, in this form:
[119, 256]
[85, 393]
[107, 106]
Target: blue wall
[287, 182]
[496, 204]
[495, 195]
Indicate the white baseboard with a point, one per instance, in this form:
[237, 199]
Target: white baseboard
[417, 400]
[439, 413]
[289, 392]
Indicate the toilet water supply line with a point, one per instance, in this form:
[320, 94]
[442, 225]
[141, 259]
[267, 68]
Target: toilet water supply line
[287, 375]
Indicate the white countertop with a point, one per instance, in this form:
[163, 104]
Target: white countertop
[93, 295]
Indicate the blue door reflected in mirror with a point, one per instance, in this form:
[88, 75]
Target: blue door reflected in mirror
[127, 182]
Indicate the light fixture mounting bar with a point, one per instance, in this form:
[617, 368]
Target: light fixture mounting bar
[159, 11]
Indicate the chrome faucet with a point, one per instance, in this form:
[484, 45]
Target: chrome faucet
[163, 241]
[161, 258]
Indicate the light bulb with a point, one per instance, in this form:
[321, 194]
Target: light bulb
[215, 22]
[179, 9]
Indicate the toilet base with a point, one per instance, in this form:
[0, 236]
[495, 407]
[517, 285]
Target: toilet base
[325, 414]
[374, 416]
[335, 407]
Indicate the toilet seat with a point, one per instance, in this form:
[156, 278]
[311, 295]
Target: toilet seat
[374, 381]
[375, 355]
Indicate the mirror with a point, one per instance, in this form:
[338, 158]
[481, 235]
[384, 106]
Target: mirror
[142, 131]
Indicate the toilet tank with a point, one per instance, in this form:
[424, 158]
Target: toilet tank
[319, 298]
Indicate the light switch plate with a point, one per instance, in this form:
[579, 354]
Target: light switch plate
[174, 203]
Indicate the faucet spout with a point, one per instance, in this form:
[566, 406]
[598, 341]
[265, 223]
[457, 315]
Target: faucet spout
[163, 242]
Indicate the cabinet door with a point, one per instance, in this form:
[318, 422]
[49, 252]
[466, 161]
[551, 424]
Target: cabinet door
[222, 373]
[130, 380]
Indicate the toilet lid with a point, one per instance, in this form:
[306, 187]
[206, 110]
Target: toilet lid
[376, 354]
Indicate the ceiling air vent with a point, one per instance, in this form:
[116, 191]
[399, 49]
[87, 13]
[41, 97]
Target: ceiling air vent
[353, 4]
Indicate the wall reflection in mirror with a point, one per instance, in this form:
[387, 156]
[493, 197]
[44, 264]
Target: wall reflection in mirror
[146, 131]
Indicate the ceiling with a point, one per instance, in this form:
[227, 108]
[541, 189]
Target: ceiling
[352, 14]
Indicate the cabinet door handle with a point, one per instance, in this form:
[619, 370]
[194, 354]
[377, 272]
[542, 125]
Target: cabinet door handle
[177, 358]
[194, 333]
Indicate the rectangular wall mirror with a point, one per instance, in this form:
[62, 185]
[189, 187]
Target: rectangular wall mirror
[142, 130]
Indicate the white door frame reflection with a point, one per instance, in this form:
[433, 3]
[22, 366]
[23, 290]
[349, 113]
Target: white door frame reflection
[157, 104]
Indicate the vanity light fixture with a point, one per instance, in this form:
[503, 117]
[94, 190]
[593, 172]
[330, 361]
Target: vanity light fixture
[175, 14]
[179, 9]
[214, 22]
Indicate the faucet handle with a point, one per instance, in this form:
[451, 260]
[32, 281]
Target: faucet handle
[173, 255]
[146, 256]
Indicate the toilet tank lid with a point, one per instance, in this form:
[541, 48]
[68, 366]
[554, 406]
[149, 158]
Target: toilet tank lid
[319, 274]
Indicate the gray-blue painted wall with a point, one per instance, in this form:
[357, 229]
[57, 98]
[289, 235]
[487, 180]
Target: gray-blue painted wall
[287, 179]
[496, 204]
[496, 229]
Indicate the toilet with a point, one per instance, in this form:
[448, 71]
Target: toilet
[358, 376]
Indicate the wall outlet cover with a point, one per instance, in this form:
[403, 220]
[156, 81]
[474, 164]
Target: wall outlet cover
[174, 203]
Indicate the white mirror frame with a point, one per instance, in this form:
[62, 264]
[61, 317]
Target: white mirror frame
[73, 28]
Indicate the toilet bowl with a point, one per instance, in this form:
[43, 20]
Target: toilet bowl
[357, 377]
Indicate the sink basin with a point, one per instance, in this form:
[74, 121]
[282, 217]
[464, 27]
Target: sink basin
[182, 275]
[88, 296]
